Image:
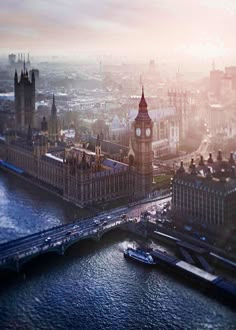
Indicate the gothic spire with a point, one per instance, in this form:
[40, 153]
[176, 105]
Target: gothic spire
[54, 109]
[142, 102]
[143, 112]
[16, 76]
[24, 64]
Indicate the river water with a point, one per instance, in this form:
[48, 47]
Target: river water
[92, 286]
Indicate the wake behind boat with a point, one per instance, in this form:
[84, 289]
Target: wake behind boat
[139, 255]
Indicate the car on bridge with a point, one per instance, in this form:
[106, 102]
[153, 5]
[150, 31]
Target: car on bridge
[48, 239]
[97, 222]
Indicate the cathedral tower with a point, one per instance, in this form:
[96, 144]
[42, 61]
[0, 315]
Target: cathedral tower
[143, 132]
[54, 125]
[24, 100]
[44, 127]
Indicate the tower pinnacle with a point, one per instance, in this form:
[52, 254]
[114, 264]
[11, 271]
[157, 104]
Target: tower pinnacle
[54, 109]
[16, 76]
[143, 112]
[24, 64]
[142, 102]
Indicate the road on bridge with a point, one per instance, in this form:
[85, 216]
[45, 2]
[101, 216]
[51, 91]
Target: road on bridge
[56, 237]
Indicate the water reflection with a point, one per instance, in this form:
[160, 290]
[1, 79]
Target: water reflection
[25, 209]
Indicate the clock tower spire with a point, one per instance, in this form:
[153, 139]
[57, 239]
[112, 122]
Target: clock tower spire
[143, 128]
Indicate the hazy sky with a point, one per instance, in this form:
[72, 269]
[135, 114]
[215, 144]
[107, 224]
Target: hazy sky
[201, 28]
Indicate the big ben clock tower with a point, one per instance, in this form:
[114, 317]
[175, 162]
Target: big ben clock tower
[143, 130]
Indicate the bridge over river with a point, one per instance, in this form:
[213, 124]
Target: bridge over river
[15, 253]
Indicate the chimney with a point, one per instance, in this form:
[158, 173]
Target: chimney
[191, 163]
[201, 162]
[181, 168]
[194, 170]
[210, 159]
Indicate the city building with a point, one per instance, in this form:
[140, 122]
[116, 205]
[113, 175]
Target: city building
[216, 117]
[12, 59]
[206, 193]
[142, 131]
[17, 61]
[231, 71]
[223, 84]
[165, 139]
[24, 100]
[215, 81]
[110, 149]
[179, 100]
[222, 120]
[36, 76]
[54, 125]
[81, 176]
[7, 111]
[119, 130]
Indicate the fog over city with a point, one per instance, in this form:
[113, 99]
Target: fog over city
[135, 29]
[117, 144]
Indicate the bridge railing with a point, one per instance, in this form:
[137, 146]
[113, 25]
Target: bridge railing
[58, 243]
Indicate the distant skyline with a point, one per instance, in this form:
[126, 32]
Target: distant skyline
[201, 29]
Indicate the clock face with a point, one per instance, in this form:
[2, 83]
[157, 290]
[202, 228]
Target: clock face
[148, 132]
[138, 131]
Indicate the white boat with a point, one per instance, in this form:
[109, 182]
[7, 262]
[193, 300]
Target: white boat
[139, 255]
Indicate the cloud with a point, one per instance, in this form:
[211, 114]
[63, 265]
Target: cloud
[154, 25]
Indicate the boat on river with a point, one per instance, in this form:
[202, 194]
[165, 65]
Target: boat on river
[139, 255]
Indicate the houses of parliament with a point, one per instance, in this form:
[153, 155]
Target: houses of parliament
[81, 176]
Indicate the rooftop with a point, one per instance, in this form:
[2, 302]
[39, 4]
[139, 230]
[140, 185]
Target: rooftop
[211, 175]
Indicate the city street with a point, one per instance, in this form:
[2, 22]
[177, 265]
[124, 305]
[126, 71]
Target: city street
[203, 150]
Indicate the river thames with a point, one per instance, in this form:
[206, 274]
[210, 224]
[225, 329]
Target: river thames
[92, 286]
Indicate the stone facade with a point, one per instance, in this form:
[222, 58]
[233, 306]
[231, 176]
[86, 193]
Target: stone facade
[24, 101]
[54, 125]
[80, 176]
[142, 148]
[206, 193]
[180, 101]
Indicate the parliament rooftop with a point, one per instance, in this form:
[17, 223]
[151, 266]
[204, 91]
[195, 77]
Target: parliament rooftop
[206, 192]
